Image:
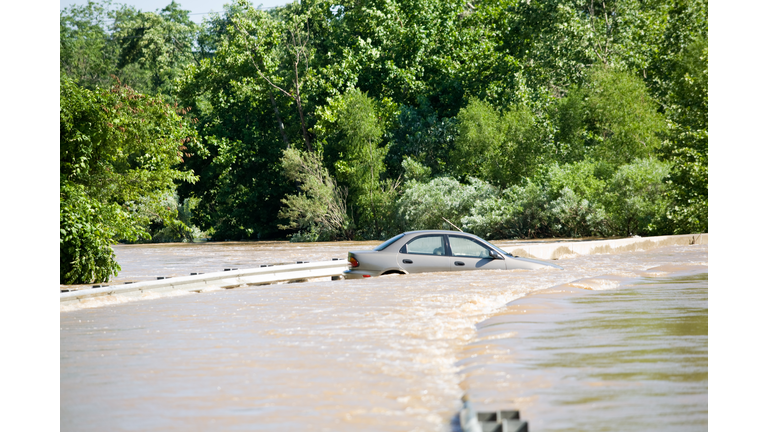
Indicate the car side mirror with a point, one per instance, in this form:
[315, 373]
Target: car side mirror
[495, 255]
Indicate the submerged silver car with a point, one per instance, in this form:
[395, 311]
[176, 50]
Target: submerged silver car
[434, 251]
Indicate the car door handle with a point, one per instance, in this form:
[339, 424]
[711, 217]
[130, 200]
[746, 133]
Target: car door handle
[407, 261]
[458, 263]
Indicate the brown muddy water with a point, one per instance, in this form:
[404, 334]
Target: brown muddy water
[612, 342]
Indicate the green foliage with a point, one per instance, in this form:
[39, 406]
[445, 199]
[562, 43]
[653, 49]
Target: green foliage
[86, 51]
[424, 205]
[320, 207]
[688, 143]
[359, 122]
[578, 200]
[145, 50]
[586, 178]
[119, 152]
[415, 171]
[519, 212]
[159, 43]
[421, 135]
[498, 148]
[87, 228]
[565, 106]
[236, 115]
[612, 117]
[636, 198]
[181, 230]
[575, 216]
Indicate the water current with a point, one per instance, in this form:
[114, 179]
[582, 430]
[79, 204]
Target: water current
[612, 342]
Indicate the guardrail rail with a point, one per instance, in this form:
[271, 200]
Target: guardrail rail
[222, 279]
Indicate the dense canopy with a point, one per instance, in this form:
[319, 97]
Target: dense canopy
[324, 120]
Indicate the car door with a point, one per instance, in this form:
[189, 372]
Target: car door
[425, 253]
[471, 254]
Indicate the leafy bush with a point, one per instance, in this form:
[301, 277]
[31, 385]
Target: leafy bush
[413, 170]
[320, 207]
[424, 205]
[180, 230]
[421, 135]
[574, 201]
[520, 212]
[636, 198]
[575, 216]
[611, 117]
[87, 228]
[118, 151]
[500, 148]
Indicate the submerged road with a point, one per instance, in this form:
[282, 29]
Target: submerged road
[392, 353]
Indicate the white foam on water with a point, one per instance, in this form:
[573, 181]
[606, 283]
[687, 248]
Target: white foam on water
[373, 354]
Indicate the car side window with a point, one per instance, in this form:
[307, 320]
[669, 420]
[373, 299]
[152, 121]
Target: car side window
[425, 245]
[466, 247]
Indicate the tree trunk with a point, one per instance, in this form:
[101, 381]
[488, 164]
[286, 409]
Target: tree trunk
[303, 125]
[297, 97]
[279, 119]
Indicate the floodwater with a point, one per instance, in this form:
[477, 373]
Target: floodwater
[612, 342]
[632, 358]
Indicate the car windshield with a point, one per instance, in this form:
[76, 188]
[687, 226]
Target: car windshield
[498, 249]
[388, 242]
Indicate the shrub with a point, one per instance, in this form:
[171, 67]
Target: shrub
[119, 154]
[497, 147]
[320, 207]
[562, 202]
[181, 230]
[87, 228]
[612, 117]
[424, 205]
[636, 198]
[574, 216]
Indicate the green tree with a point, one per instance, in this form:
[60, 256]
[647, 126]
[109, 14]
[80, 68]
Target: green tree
[636, 198]
[495, 147]
[160, 43]
[320, 207]
[563, 81]
[244, 125]
[145, 50]
[688, 145]
[359, 157]
[612, 117]
[119, 151]
[420, 134]
[88, 52]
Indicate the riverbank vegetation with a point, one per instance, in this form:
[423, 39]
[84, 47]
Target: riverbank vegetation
[358, 120]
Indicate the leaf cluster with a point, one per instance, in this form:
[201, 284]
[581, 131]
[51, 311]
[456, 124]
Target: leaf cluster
[119, 156]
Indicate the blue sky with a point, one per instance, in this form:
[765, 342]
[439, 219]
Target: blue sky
[197, 7]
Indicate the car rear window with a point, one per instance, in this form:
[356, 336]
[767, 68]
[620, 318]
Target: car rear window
[388, 242]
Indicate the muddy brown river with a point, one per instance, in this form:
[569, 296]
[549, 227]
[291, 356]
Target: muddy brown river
[612, 342]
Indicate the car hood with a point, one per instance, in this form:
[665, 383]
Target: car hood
[534, 261]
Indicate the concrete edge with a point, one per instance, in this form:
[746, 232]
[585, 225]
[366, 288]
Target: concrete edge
[564, 250]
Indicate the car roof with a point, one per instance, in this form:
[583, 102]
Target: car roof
[437, 232]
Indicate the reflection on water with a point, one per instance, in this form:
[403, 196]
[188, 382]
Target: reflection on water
[391, 354]
[634, 358]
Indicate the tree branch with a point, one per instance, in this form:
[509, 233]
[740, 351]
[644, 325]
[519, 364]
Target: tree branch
[258, 70]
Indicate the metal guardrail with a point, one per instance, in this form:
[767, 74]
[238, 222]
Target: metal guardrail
[223, 279]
